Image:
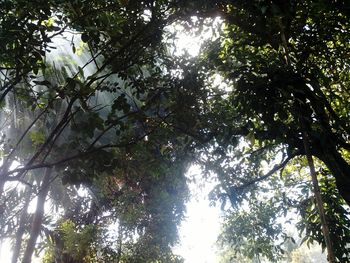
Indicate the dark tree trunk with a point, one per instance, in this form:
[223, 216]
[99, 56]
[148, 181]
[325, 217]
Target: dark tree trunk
[340, 169]
[38, 217]
[324, 147]
[324, 143]
[319, 201]
[20, 231]
[3, 169]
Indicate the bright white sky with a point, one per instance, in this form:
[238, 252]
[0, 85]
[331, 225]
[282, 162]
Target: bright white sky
[5, 251]
[198, 233]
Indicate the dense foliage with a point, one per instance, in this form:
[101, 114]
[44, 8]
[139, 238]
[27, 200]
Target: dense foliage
[100, 121]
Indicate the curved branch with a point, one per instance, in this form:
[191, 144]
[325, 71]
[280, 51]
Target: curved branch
[270, 173]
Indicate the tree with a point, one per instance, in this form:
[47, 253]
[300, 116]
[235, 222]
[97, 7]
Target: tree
[99, 125]
[285, 71]
[126, 120]
[274, 102]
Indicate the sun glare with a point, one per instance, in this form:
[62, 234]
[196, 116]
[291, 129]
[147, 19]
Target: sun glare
[187, 41]
[199, 231]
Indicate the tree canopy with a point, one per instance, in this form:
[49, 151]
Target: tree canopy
[100, 121]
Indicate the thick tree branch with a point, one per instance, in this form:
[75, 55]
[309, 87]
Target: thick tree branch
[270, 173]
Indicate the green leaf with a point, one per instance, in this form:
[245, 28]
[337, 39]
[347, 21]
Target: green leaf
[37, 137]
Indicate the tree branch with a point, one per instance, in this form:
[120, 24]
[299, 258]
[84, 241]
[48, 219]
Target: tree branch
[271, 172]
[29, 167]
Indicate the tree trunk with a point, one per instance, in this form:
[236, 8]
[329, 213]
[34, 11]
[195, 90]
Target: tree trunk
[38, 217]
[339, 168]
[21, 230]
[319, 201]
[3, 169]
[2, 184]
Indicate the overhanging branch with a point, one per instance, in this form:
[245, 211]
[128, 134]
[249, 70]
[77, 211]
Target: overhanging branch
[276, 168]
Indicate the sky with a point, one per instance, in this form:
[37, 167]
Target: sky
[198, 233]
